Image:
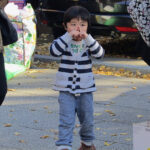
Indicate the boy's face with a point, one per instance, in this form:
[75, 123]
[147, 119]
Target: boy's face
[77, 26]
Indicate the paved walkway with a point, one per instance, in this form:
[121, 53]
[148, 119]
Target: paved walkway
[29, 115]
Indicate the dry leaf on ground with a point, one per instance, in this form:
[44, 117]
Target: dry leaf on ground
[12, 90]
[21, 141]
[128, 139]
[7, 125]
[110, 112]
[44, 137]
[97, 114]
[139, 116]
[98, 128]
[124, 133]
[17, 133]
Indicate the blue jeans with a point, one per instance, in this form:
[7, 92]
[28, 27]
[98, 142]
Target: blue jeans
[69, 106]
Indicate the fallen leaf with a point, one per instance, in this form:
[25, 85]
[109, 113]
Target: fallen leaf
[122, 70]
[17, 133]
[77, 125]
[98, 128]
[139, 116]
[21, 141]
[45, 107]
[12, 90]
[55, 138]
[114, 135]
[128, 139]
[12, 110]
[123, 133]
[110, 112]
[32, 109]
[97, 114]
[112, 102]
[44, 137]
[34, 77]
[134, 88]
[107, 144]
[49, 112]
[35, 121]
[33, 71]
[75, 132]
[115, 86]
[54, 131]
[7, 125]
[138, 73]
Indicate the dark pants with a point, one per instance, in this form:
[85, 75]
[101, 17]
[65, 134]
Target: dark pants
[143, 50]
[3, 81]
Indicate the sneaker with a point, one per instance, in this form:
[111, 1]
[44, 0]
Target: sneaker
[64, 147]
[85, 147]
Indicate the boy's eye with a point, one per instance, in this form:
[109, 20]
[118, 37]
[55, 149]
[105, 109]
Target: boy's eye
[73, 24]
[83, 25]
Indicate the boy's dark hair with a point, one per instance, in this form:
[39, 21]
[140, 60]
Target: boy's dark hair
[76, 12]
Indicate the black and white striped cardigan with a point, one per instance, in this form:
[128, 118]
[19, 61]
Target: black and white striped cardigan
[75, 72]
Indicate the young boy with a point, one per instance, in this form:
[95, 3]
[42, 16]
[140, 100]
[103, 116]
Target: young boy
[75, 79]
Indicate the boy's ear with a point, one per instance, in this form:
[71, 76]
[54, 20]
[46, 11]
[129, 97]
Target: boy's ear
[64, 26]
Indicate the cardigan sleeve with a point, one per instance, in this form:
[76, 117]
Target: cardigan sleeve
[59, 45]
[96, 50]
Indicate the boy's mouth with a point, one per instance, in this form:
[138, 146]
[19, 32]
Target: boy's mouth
[77, 38]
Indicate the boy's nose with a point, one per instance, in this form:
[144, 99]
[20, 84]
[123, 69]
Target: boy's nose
[78, 28]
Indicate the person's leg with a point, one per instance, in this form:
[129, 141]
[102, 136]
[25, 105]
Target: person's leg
[86, 118]
[143, 50]
[3, 82]
[67, 106]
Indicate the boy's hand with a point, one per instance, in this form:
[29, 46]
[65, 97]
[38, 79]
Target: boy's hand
[75, 34]
[83, 34]
[78, 35]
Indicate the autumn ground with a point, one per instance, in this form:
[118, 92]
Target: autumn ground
[29, 115]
